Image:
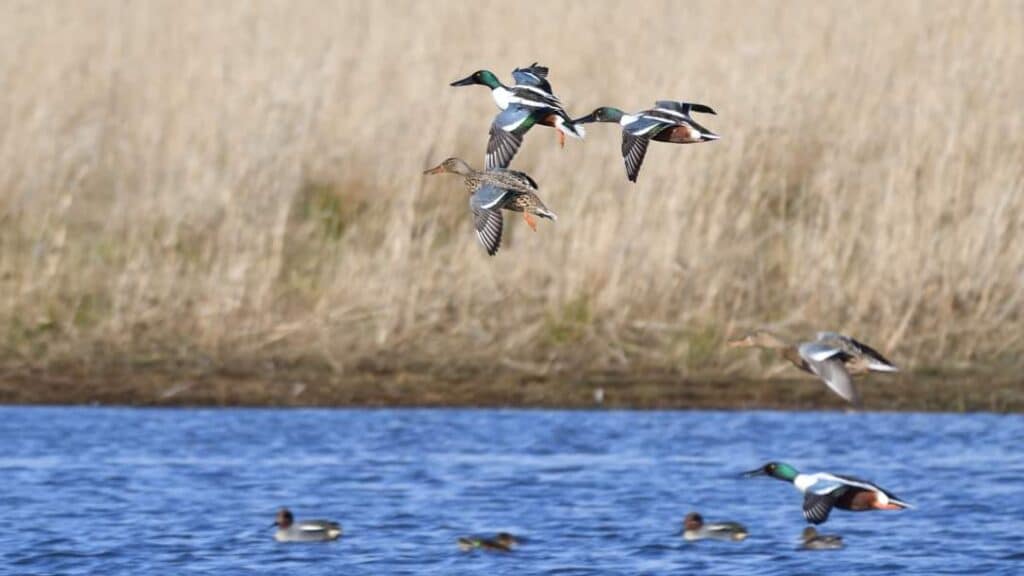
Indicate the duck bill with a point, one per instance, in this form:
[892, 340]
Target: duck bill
[467, 81]
[740, 343]
[588, 119]
[753, 473]
[435, 170]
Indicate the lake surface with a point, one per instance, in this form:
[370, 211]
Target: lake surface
[106, 490]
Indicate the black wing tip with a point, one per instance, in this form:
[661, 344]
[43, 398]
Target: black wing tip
[703, 109]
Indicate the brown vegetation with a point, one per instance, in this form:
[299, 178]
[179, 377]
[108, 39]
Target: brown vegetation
[190, 187]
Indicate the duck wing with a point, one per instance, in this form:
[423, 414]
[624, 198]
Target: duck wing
[506, 135]
[817, 507]
[512, 180]
[533, 75]
[486, 205]
[634, 148]
[861, 484]
[875, 360]
[826, 362]
[683, 108]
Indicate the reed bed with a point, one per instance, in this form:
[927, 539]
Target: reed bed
[204, 186]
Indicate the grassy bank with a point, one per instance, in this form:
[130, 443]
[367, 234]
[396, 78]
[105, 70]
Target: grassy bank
[188, 187]
[469, 386]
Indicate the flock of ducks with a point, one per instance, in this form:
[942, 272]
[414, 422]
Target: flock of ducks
[822, 492]
[832, 357]
[529, 102]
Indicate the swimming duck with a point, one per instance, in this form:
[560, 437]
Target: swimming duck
[831, 356]
[490, 192]
[814, 541]
[527, 103]
[694, 528]
[502, 542]
[288, 530]
[823, 491]
[668, 121]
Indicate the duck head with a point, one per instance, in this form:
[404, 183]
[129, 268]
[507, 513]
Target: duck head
[284, 519]
[759, 338]
[451, 165]
[482, 77]
[809, 534]
[602, 114]
[693, 521]
[778, 470]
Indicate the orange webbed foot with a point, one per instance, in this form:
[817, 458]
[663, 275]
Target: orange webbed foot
[561, 139]
[530, 221]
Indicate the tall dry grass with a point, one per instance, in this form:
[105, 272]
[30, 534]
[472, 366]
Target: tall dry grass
[239, 183]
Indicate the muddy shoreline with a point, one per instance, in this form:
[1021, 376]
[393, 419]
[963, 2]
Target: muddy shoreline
[477, 387]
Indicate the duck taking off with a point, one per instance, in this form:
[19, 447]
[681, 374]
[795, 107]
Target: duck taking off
[492, 191]
[832, 357]
[823, 491]
[668, 121]
[288, 530]
[527, 103]
[694, 528]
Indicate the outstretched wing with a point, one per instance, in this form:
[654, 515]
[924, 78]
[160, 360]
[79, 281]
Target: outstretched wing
[506, 135]
[684, 107]
[486, 205]
[875, 360]
[634, 148]
[827, 363]
[817, 507]
[533, 75]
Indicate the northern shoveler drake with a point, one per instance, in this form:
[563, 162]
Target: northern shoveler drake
[492, 191]
[694, 528]
[832, 357]
[811, 540]
[288, 530]
[668, 121]
[528, 102]
[502, 542]
[823, 491]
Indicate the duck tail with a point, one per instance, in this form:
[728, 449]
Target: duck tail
[566, 126]
[878, 366]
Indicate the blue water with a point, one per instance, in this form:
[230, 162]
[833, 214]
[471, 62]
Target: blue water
[117, 491]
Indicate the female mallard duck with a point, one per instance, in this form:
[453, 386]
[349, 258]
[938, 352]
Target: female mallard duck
[529, 102]
[668, 121]
[694, 528]
[492, 191]
[811, 540]
[503, 542]
[823, 491]
[288, 530]
[831, 356]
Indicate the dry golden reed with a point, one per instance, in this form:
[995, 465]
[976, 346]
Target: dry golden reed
[208, 184]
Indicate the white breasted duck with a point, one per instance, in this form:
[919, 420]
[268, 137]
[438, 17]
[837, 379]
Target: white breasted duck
[527, 103]
[823, 491]
[288, 530]
[668, 121]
